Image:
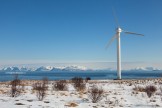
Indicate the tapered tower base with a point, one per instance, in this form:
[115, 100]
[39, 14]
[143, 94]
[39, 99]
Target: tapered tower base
[117, 79]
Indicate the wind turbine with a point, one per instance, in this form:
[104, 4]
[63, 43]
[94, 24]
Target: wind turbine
[117, 36]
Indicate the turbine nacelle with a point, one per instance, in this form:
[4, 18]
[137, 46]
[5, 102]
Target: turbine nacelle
[119, 30]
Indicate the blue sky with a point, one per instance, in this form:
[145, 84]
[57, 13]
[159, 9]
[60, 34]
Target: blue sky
[46, 31]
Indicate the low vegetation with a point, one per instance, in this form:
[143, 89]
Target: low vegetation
[41, 88]
[139, 88]
[78, 83]
[95, 94]
[15, 86]
[150, 90]
[87, 79]
[60, 85]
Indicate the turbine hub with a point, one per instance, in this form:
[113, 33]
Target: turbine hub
[118, 30]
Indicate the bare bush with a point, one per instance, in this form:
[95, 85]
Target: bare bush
[45, 80]
[78, 83]
[60, 85]
[150, 90]
[95, 94]
[139, 88]
[15, 86]
[40, 88]
[87, 79]
[34, 86]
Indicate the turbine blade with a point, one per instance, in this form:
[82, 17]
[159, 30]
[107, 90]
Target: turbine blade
[115, 17]
[133, 33]
[112, 39]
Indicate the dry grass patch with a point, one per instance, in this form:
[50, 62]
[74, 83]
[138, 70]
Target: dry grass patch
[72, 104]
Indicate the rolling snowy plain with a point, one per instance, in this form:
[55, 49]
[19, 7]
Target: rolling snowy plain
[116, 94]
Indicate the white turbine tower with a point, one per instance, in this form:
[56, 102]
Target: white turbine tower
[117, 36]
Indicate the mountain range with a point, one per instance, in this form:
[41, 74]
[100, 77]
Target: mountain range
[67, 68]
[44, 68]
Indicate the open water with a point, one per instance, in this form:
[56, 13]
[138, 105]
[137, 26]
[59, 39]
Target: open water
[96, 75]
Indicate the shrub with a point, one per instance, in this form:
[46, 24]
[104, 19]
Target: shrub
[77, 80]
[87, 79]
[40, 88]
[34, 86]
[95, 94]
[80, 87]
[45, 80]
[139, 89]
[15, 86]
[60, 85]
[78, 83]
[150, 90]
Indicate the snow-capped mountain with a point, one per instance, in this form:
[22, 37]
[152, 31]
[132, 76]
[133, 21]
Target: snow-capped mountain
[74, 68]
[145, 69]
[66, 69]
[11, 69]
[56, 69]
[44, 68]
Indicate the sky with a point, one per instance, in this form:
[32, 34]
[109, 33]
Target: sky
[77, 31]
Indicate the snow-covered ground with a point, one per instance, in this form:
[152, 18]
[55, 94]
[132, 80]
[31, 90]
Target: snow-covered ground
[116, 94]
